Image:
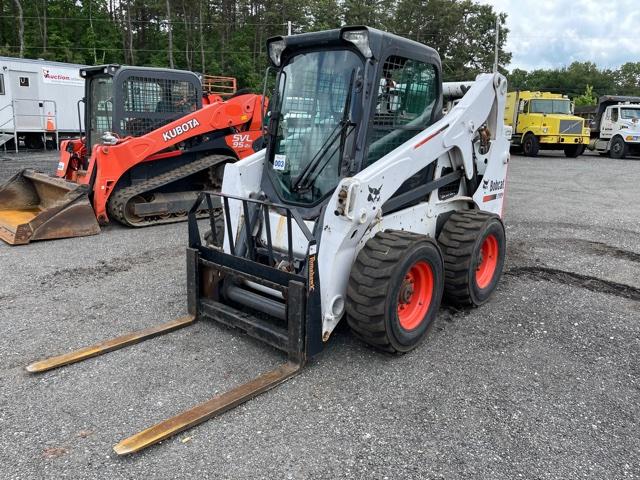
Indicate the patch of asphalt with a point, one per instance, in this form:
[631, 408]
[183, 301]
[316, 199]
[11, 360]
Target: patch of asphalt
[11, 163]
[593, 284]
[542, 382]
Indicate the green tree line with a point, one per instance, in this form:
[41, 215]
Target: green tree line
[582, 81]
[227, 37]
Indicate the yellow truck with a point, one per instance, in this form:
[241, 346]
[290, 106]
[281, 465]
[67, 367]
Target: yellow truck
[545, 121]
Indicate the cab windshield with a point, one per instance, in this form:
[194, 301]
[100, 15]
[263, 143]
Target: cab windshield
[630, 113]
[314, 94]
[550, 106]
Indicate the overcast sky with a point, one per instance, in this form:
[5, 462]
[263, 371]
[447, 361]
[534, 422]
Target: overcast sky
[550, 34]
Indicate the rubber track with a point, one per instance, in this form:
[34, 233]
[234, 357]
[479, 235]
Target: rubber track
[119, 199]
[369, 284]
[457, 240]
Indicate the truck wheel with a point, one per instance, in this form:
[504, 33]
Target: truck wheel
[473, 244]
[618, 148]
[530, 145]
[395, 290]
[573, 151]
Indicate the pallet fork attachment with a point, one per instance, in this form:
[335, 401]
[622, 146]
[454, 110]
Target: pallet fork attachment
[207, 269]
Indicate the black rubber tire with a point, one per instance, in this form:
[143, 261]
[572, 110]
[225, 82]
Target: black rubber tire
[530, 145]
[374, 285]
[618, 148]
[574, 151]
[461, 241]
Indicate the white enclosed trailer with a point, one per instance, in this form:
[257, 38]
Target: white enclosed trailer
[39, 102]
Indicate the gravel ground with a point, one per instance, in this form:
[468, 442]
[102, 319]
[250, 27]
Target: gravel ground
[543, 382]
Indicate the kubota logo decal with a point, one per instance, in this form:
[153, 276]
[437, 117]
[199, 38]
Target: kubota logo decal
[180, 129]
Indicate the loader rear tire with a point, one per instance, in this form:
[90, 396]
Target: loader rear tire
[530, 145]
[473, 244]
[395, 290]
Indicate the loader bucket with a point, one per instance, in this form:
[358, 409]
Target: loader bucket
[35, 206]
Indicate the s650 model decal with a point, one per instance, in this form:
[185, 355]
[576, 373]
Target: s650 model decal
[495, 196]
[180, 129]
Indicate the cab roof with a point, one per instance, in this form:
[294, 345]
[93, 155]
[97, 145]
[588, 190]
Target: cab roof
[379, 42]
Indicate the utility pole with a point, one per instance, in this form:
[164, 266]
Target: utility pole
[495, 61]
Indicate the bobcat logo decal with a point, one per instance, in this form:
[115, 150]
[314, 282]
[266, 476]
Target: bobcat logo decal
[485, 183]
[374, 194]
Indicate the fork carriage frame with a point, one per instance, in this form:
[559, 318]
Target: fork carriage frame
[298, 331]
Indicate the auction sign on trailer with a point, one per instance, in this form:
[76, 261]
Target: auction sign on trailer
[62, 76]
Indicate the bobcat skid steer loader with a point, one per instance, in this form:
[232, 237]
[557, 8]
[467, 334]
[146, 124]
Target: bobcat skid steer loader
[368, 205]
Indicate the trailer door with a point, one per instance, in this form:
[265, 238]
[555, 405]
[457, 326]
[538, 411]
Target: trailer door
[26, 96]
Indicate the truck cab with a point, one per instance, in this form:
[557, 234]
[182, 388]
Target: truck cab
[545, 121]
[619, 130]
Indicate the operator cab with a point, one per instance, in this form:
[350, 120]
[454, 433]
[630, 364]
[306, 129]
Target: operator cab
[343, 99]
[133, 101]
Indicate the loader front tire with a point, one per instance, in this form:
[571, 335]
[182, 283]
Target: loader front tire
[530, 145]
[473, 243]
[395, 289]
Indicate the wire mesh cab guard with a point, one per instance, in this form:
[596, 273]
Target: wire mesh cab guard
[292, 325]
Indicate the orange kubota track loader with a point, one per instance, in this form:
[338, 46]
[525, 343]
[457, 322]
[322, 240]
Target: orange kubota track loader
[153, 141]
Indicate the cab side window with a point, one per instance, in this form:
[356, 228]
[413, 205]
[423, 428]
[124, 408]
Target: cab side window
[614, 114]
[406, 98]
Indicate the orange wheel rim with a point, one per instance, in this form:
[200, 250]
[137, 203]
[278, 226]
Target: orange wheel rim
[414, 297]
[488, 263]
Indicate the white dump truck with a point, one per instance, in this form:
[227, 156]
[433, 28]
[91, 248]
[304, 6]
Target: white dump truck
[615, 128]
